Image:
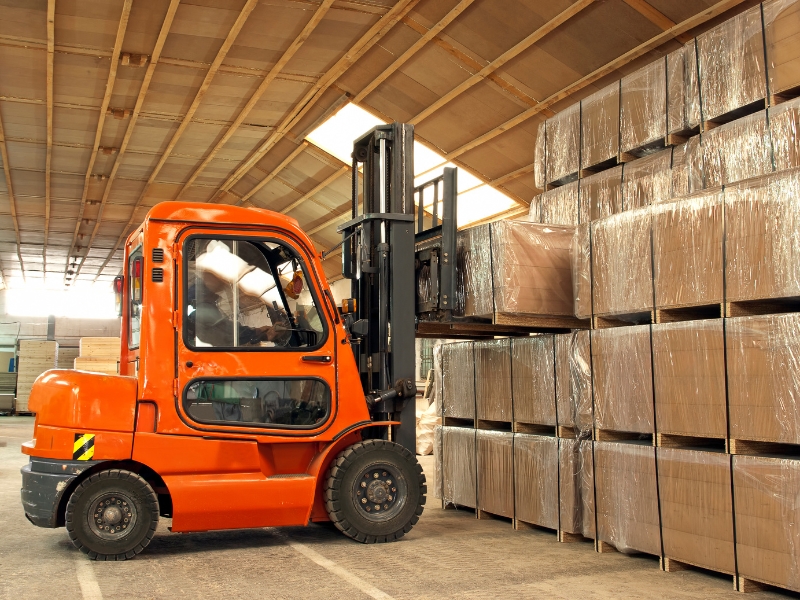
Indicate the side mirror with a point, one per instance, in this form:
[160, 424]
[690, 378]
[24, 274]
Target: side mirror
[360, 327]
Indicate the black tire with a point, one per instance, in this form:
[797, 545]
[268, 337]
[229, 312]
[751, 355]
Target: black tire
[383, 510]
[112, 515]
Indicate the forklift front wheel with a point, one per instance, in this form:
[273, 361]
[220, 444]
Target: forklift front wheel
[375, 491]
[112, 515]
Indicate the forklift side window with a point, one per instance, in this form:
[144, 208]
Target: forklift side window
[291, 402]
[135, 271]
[248, 294]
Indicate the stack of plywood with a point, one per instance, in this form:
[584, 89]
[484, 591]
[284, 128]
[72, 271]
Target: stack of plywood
[67, 356]
[99, 355]
[35, 357]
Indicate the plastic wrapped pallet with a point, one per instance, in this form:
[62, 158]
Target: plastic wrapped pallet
[647, 180]
[687, 251]
[559, 206]
[768, 519]
[540, 157]
[622, 271]
[784, 133]
[731, 59]
[764, 377]
[496, 472]
[458, 380]
[682, 89]
[600, 114]
[581, 258]
[563, 144]
[692, 82]
[627, 496]
[623, 379]
[689, 377]
[535, 210]
[762, 245]
[576, 487]
[533, 381]
[601, 194]
[473, 271]
[782, 37]
[493, 380]
[687, 168]
[437, 463]
[643, 107]
[459, 467]
[736, 151]
[536, 479]
[697, 508]
[573, 369]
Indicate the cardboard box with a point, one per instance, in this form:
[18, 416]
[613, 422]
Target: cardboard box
[697, 508]
[576, 487]
[736, 151]
[768, 519]
[474, 293]
[627, 496]
[458, 380]
[643, 107]
[581, 258]
[563, 134]
[623, 379]
[687, 168]
[600, 122]
[493, 380]
[687, 251]
[763, 378]
[647, 180]
[536, 479]
[559, 206]
[540, 157]
[601, 194]
[689, 373]
[533, 380]
[784, 133]
[683, 100]
[782, 36]
[574, 382]
[496, 472]
[459, 467]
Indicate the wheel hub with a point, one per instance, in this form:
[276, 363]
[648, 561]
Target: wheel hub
[376, 491]
[111, 516]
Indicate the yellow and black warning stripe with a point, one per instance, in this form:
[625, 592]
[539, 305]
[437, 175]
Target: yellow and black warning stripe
[83, 448]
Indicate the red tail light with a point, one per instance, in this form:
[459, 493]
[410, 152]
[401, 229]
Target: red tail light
[119, 286]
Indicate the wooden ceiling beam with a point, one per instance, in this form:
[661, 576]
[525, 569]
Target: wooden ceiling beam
[513, 175]
[367, 41]
[298, 42]
[318, 188]
[332, 221]
[51, 40]
[656, 17]
[415, 47]
[12, 202]
[270, 176]
[682, 27]
[501, 60]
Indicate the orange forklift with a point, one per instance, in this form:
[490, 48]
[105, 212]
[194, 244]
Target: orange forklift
[246, 397]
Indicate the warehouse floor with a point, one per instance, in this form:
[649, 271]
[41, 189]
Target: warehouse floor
[448, 555]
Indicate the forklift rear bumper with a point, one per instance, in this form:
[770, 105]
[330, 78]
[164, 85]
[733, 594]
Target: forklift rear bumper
[43, 485]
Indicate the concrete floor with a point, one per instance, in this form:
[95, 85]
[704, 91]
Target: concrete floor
[448, 555]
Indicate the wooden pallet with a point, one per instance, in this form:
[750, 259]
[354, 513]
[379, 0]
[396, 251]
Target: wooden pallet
[746, 585]
[674, 314]
[539, 322]
[566, 433]
[566, 537]
[458, 422]
[451, 506]
[488, 425]
[784, 96]
[733, 115]
[623, 320]
[521, 525]
[599, 167]
[484, 515]
[606, 548]
[670, 440]
[606, 435]
[756, 448]
[535, 429]
[671, 565]
[767, 306]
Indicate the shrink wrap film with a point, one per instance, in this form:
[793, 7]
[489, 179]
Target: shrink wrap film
[687, 168]
[536, 479]
[766, 492]
[458, 380]
[563, 144]
[496, 472]
[576, 487]
[762, 237]
[736, 151]
[601, 194]
[687, 251]
[438, 382]
[643, 107]
[682, 89]
[692, 84]
[535, 210]
[493, 380]
[764, 377]
[732, 69]
[600, 120]
[647, 180]
[784, 133]
[540, 157]
[533, 380]
[623, 379]
[559, 206]
[437, 463]
[574, 382]
[627, 496]
[581, 257]
[459, 467]
[782, 37]
[697, 508]
[622, 272]
[474, 271]
[689, 377]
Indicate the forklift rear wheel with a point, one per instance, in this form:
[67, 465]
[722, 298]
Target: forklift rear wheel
[375, 491]
[112, 515]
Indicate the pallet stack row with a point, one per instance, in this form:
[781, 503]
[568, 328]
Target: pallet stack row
[34, 358]
[99, 355]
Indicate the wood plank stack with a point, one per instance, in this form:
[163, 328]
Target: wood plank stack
[35, 357]
[99, 355]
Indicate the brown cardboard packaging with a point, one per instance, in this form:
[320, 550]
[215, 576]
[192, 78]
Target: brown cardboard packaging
[473, 271]
[458, 380]
[736, 151]
[696, 508]
[601, 194]
[687, 168]
[574, 382]
[576, 487]
[782, 36]
[581, 258]
[623, 379]
[764, 377]
[683, 101]
[493, 380]
[648, 180]
[562, 147]
[784, 133]
[536, 479]
[627, 496]
[437, 463]
[689, 373]
[767, 517]
[496, 472]
[459, 467]
[559, 206]
[643, 107]
[687, 251]
[600, 114]
[731, 59]
[533, 381]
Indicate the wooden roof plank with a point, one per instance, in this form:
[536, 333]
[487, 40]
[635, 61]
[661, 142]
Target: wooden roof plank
[273, 173]
[655, 16]
[51, 22]
[11, 199]
[321, 186]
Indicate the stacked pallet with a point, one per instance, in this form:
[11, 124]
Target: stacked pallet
[99, 355]
[67, 356]
[34, 358]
